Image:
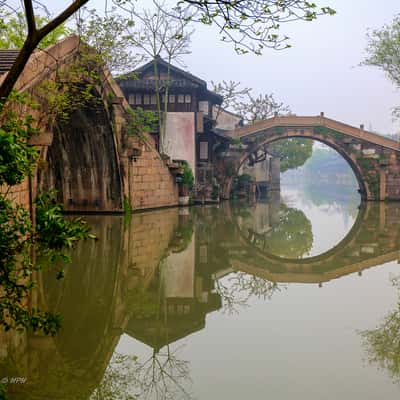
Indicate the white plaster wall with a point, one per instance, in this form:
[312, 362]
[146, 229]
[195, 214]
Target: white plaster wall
[225, 119]
[260, 171]
[180, 143]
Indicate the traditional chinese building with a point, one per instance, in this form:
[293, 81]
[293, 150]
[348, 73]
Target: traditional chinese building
[190, 132]
[195, 123]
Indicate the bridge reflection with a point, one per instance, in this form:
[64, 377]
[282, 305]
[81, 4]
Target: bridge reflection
[157, 277]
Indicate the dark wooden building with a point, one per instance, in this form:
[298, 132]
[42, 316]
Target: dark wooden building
[191, 117]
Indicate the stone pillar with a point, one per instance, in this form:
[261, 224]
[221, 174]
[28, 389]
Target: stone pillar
[382, 184]
[275, 171]
[274, 207]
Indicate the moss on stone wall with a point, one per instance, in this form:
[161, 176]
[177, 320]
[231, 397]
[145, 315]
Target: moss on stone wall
[322, 130]
[369, 170]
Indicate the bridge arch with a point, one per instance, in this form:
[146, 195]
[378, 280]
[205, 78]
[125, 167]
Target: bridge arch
[82, 161]
[374, 239]
[276, 135]
[373, 158]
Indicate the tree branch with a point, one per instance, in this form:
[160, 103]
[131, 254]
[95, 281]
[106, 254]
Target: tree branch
[31, 42]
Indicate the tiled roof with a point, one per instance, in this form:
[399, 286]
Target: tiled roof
[7, 58]
[173, 68]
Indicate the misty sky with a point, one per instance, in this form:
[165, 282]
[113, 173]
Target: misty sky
[320, 72]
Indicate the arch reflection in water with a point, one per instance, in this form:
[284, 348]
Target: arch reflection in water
[156, 279]
[277, 229]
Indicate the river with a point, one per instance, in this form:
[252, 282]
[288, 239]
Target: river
[295, 297]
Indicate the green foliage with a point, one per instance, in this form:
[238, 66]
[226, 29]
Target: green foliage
[24, 247]
[74, 88]
[382, 344]
[383, 51]
[251, 26]
[127, 206]
[140, 121]
[328, 132]
[187, 175]
[244, 179]
[16, 156]
[230, 169]
[119, 380]
[53, 230]
[215, 192]
[369, 169]
[14, 31]
[325, 172]
[108, 36]
[183, 236]
[292, 237]
[240, 185]
[293, 152]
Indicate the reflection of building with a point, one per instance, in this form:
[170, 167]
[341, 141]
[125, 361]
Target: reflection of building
[265, 173]
[181, 303]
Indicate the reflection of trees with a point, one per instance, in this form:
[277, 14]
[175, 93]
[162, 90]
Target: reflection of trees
[382, 344]
[162, 376]
[292, 237]
[238, 288]
[282, 231]
[119, 380]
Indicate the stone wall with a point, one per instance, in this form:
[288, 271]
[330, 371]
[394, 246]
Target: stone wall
[87, 160]
[147, 241]
[149, 182]
[19, 194]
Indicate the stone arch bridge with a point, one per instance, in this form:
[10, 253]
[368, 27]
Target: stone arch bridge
[374, 159]
[89, 158]
[97, 166]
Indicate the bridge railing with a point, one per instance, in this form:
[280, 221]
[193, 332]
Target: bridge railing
[311, 122]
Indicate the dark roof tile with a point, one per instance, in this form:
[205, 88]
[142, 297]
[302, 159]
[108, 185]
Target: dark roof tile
[7, 58]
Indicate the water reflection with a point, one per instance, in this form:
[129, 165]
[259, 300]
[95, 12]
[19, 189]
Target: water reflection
[157, 278]
[382, 344]
[285, 231]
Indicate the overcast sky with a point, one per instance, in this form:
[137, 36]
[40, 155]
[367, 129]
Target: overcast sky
[320, 72]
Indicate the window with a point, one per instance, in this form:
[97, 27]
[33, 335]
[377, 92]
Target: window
[138, 99]
[171, 98]
[188, 98]
[146, 99]
[153, 99]
[204, 107]
[204, 150]
[131, 99]
[181, 98]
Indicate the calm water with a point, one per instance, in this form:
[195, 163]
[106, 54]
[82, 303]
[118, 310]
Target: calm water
[291, 298]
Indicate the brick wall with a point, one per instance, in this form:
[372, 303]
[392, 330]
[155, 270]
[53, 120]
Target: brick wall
[150, 183]
[19, 193]
[147, 243]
